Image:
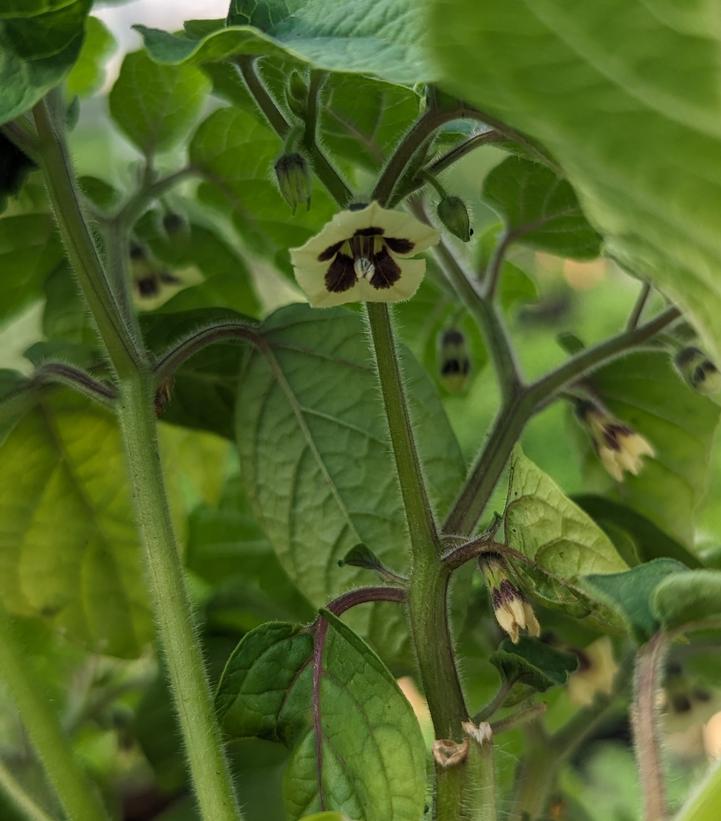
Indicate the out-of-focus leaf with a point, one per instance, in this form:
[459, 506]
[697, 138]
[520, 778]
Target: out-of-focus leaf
[631, 594]
[649, 541]
[88, 73]
[688, 597]
[235, 153]
[155, 105]
[540, 209]
[37, 49]
[64, 463]
[382, 38]
[30, 250]
[533, 663]
[644, 391]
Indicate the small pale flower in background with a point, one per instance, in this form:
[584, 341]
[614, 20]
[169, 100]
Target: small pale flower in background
[363, 255]
[618, 446]
[596, 673]
[510, 607]
[698, 370]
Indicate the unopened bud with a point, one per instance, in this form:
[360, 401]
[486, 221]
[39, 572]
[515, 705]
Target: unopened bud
[511, 609]
[618, 446]
[448, 753]
[293, 176]
[297, 94]
[454, 360]
[453, 213]
[698, 370]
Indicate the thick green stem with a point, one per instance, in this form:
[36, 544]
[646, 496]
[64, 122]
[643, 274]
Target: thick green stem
[178, 636]
[178, 639]
[535, 778]
[77, 794]
[118, 332]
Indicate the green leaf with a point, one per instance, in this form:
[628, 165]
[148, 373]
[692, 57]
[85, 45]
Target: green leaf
[325, 816]
[643, 390]
[631, 594]
[64, 463]
[373, 757]
[383, 39]
[227, 549]
[226, 278]
[15, 166]
[30, 249]
[153, 105]
[649, 541]
[533, 663]
[264, 15]
[581, 78]
[65, 317]
[100, 192]
[562, 541]
[314, 453]
[37, 51]
[540, 209]
[689, 597]
[88, 73]
[235, 153]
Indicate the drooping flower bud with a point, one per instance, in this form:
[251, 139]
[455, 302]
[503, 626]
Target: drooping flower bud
[618, 446]
[296, 94]
[512, 610]
[291, 171]
[698, 370]
[452, 212]
[454, 360]
[596, 672]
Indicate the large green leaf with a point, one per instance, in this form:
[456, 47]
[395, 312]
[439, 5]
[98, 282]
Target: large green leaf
[644, 391]
[561, 540]
[315, 455]
[30, 250]
[155, 105]
[88, 73]
[37, 51]
[540, 208]
[372, 757]
[636, 133]
[383, 38]
[533, 663]
[68, 545]
[235, 153]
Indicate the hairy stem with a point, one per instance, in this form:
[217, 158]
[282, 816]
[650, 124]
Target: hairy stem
[639, 305]
[119, 334]
[79, 380]
[178, 636]
[174, 617]
[77, 794]
[646, 734]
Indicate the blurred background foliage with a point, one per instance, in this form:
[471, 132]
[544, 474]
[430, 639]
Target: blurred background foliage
[193, 251]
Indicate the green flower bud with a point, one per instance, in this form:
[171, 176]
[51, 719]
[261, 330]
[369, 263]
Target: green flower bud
[698, 370]
[293, 176]
[297, 94]
[453, 213]
[454, 360]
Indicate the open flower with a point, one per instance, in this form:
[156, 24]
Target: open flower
[510, 607]
[362, 255]
[618, 446]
